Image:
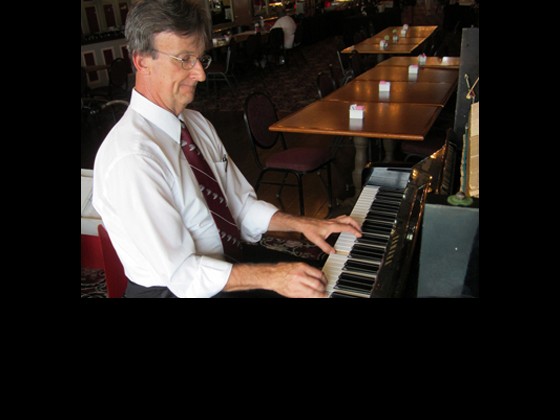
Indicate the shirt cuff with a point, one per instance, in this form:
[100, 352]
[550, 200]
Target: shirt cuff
[257, 220]
[212, 276]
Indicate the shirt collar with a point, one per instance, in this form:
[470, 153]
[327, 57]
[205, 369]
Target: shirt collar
[158, 116]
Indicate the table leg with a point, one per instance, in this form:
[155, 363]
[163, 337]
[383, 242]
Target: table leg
[389, 148]
[361, 144]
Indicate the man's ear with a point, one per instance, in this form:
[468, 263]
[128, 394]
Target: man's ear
[142, 62]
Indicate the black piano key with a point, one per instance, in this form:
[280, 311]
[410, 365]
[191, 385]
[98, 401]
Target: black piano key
[380, 227]
[363, 255]
[374, 221]
[375, 229]
[391, 192]
[354, 276]
[355, 293]
[372, 242]
[381, 217]
[361, 265]
[348, 285]
[358, 255]
[369, 248]
[372, 234]
[379, 199]
[349, 282]
[375, 215]
[342, 295]
[366, 253]
[383, 202]
[388, 221]
[376, 232]
[382, 213]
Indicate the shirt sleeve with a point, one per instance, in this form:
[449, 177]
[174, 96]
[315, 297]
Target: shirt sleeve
[153, 228]
[251, 214]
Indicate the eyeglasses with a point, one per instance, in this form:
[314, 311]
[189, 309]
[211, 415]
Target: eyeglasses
[190, 60]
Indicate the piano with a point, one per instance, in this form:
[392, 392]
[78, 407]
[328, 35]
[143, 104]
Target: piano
[389, 209]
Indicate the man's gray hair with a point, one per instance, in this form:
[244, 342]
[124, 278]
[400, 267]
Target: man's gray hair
[150, 17]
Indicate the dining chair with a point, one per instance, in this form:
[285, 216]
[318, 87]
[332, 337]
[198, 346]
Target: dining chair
[297, 46]
[223, 71]
[117, 87]
[325, 84]
[340, 79]
[85, 87]
[274, 48]
[259, 113]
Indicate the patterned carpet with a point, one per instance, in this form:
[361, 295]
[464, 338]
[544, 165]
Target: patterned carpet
[93, 283]
[291, 86]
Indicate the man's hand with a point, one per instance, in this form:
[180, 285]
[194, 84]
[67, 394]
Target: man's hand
[316, 230]
[294, 280]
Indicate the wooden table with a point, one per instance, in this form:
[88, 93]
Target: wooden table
[403, 41]
[392, 48]
[451, 63]
[219, 42]
[415, 36]
[413, 31]
[396, 121]
[400, 74]
[401, 92]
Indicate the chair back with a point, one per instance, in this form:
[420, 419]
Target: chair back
[275, 43]
[224, 68]
[231, 56]
[359, 36]
[253, 46]
[325, 84]
[356, 63]
[436, 46]
[344, 67]
[118, 74]
[340, 78]
[298, 35]
[84, 82]
[259, 113]
[114, 272]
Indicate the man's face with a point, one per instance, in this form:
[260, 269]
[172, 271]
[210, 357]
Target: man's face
[169, 84]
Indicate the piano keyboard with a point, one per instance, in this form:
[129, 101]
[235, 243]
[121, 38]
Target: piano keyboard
[351, 272]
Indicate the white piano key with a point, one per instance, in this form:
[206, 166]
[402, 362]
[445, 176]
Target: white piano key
[345, 241]
[332, 268]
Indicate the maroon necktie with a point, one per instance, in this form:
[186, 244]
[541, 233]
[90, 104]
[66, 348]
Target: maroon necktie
[229, 232]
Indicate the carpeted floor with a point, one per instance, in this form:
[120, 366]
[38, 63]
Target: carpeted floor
[291, 86]
[93, 283]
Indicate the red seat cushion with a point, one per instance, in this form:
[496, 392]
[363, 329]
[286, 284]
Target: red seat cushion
[114, 272]
[302, 159]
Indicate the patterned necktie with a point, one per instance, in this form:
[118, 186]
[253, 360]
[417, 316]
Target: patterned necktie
[229, 232]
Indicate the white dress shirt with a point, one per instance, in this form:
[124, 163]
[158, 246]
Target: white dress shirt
[151, 205]
[289, 26]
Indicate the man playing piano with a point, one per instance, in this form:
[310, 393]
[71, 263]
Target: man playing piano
[175, 208]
